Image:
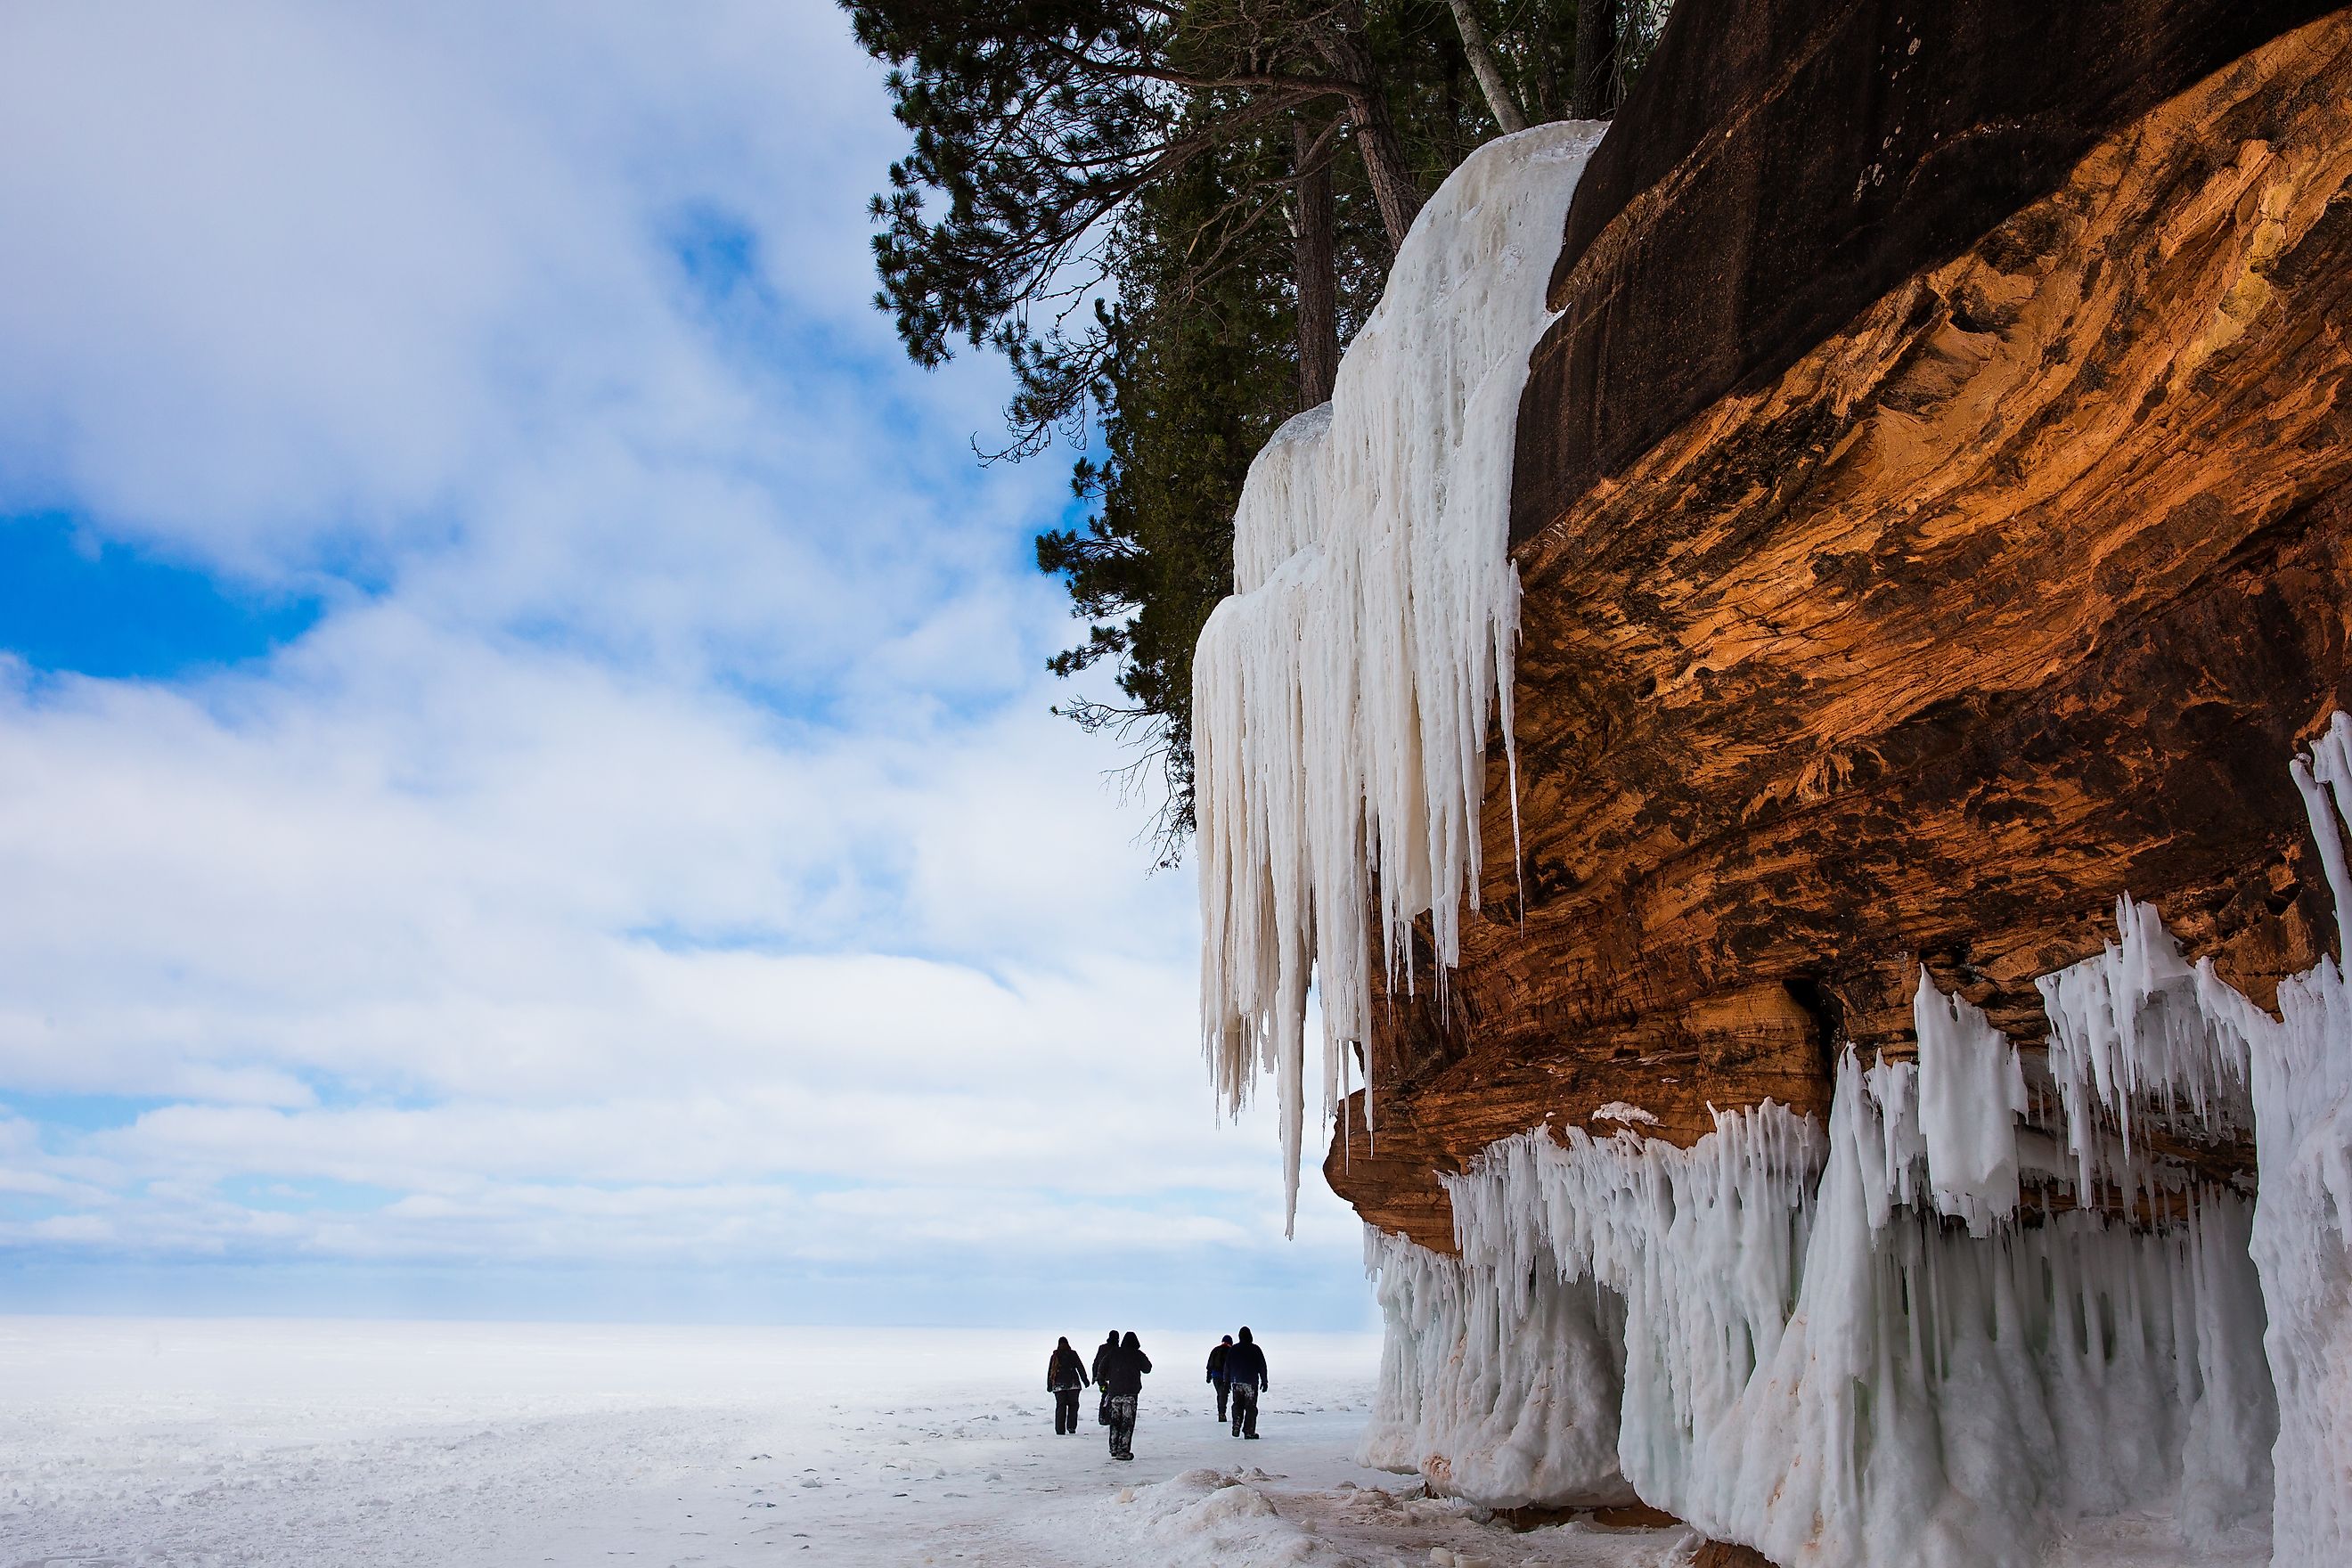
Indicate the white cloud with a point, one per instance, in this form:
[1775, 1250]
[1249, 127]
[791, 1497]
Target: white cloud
[660, 848]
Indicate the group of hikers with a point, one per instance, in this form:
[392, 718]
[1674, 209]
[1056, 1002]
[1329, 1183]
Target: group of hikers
[1236, 1371]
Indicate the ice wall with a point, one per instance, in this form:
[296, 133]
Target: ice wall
[1499, 1387]
[1853, 1348]
[2301, 1067]
[1817, 1368]
[1341, 695]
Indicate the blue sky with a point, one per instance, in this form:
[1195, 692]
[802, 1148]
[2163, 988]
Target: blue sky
[525, 784]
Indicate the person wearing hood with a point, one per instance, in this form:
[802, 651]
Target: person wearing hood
[1217, 1378]
[1246, 1370]
[1121, 1369]
[1066, 1374]
[1109, 1344]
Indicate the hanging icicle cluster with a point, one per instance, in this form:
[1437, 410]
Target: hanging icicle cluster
[1341, 697]
[1849, 1350]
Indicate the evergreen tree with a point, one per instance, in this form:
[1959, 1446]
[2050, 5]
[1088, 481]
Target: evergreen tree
[1170, 215]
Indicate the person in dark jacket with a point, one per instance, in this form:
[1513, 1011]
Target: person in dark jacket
[1109, 1344]
[1246, 1370]
[1066, 1374]
[1122, 1370]
[1217, 1378]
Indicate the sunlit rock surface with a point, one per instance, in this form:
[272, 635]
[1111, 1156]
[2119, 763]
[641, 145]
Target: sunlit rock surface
[1891, 1100]
[2003, 599]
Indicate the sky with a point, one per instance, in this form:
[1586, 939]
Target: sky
[526, 783]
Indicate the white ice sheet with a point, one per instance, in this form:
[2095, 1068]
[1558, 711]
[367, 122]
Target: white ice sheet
[184, 1441]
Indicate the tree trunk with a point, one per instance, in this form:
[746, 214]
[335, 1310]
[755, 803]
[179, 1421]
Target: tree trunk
[1595, 95]
[1394, 191]
[1393, 187]
[1317, 278]
[1488, 69]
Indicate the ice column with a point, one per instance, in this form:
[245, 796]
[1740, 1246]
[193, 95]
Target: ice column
[1341, 695]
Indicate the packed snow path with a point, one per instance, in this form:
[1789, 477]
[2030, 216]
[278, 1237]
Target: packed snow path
[321, 1444]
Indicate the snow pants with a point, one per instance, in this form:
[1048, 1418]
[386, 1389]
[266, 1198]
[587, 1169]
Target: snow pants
[1221, 1386]
[1246, 1410]
[1066, 1410]
[1123, 1425]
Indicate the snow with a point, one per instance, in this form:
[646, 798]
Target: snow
[332, 1443]
[1342, 695]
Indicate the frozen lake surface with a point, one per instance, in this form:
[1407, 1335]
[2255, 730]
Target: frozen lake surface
[205, 1442]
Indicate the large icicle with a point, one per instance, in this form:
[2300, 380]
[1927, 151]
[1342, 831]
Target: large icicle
[1971, 1091]
[1341, 697]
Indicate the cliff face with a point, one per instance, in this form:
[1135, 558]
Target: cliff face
[1895, 1105]
[1932, 514]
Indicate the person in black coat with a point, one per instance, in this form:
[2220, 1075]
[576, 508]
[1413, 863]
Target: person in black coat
[1217, 1378]
[1066, 1374]
[1246, 1370]
[1122, 1374]
[1109, 1344]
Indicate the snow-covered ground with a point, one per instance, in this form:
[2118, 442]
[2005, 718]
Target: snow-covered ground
[217, 1443]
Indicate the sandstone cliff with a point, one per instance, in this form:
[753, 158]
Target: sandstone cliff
[1864, 634]
[1892, 1101]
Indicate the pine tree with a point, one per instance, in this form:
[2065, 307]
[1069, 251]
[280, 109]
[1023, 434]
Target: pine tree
[1170, 215]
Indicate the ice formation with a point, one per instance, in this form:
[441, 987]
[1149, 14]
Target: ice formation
[1500, 1387]
[2301, 1068]
[2131, 1042]
[1850, 1345]
[1341, 695]
[1852, 1348]
[1970, 1090]
[1212, 1519]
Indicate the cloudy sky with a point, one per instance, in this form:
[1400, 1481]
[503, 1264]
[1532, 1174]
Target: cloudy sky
[525, 779]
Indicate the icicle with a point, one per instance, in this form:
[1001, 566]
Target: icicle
[1972, 1090]
[1497, 1385]
[2331, 764]
[1341, 697]
[2130, 1040]
[1817, 1368]
[2301, 1238]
